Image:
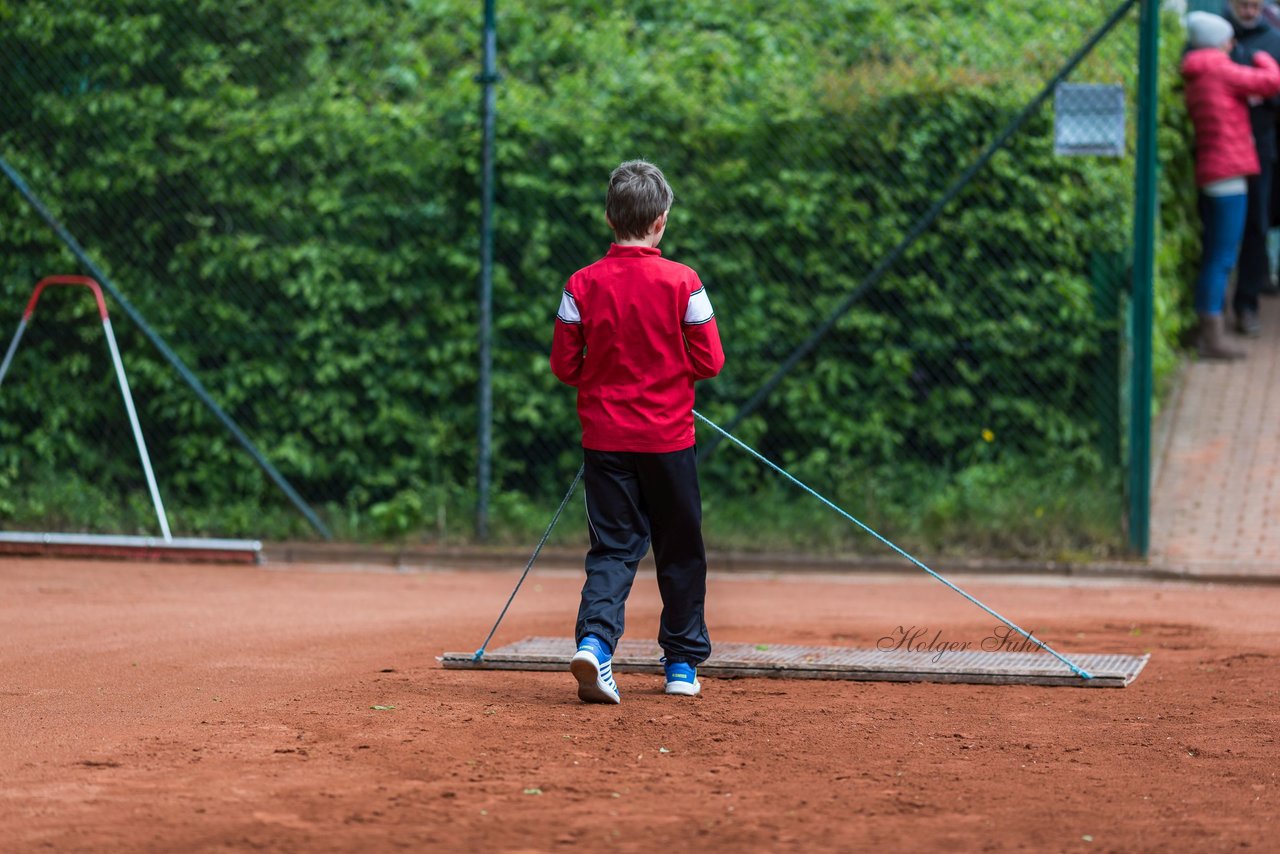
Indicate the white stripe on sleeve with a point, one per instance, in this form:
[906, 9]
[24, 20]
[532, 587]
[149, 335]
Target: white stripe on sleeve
[568, 312]
[699, 310]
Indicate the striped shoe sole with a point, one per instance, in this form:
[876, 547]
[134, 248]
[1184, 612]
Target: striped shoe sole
[595, 680]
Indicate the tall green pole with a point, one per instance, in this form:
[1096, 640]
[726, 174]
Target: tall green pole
[484, 462]
[1144, 238]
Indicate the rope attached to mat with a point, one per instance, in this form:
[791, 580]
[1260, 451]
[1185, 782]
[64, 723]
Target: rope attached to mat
[1083, 674]
[528, 566]
[1079, 671]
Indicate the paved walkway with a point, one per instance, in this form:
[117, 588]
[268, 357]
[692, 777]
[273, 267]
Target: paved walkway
[1215, 498]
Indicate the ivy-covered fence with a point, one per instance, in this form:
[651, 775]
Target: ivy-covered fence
[289, 193]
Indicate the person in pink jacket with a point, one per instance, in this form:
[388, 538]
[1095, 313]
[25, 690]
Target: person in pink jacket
[1218, 92]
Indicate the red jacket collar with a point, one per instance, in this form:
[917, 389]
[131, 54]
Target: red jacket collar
[616, 251]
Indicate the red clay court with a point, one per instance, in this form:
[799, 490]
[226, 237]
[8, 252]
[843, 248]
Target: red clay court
[174, 707]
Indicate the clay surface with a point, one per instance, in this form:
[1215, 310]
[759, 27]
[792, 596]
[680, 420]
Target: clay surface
[172, 707]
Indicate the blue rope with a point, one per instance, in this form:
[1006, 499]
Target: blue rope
[528, 566]
[1083, 674]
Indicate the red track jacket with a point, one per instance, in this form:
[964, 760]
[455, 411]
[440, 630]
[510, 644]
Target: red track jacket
[1217, 92]
[633, 333]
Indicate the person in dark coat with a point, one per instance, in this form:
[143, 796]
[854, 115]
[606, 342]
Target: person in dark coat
[1253, 273]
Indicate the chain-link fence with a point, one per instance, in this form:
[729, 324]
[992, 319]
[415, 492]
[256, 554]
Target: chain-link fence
[919, 274]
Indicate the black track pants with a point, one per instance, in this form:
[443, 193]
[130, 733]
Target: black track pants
[631, 499]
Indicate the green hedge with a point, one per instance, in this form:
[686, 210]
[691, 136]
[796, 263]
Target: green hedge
[289, 193]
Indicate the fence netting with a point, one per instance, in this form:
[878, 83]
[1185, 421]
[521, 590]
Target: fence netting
[289, 194]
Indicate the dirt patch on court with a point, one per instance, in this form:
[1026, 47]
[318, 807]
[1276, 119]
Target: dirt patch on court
[176, 707]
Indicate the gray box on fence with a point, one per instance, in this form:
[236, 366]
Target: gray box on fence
[1088, 118]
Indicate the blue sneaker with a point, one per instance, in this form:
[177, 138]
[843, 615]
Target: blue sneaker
[592, 667]
[682, 678]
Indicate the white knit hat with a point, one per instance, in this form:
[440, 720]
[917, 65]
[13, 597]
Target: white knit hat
[1205, 29]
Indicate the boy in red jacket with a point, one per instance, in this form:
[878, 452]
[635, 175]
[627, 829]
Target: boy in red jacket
[633, 333]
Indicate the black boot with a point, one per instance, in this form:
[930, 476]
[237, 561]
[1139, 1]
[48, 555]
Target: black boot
[1247, 322]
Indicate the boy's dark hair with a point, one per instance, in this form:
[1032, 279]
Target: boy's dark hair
[638, 194]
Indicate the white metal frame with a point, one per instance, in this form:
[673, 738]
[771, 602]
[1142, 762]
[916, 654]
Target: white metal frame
[109, 541]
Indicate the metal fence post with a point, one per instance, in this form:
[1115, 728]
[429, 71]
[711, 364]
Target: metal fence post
[1144, 218]
[484, 463]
